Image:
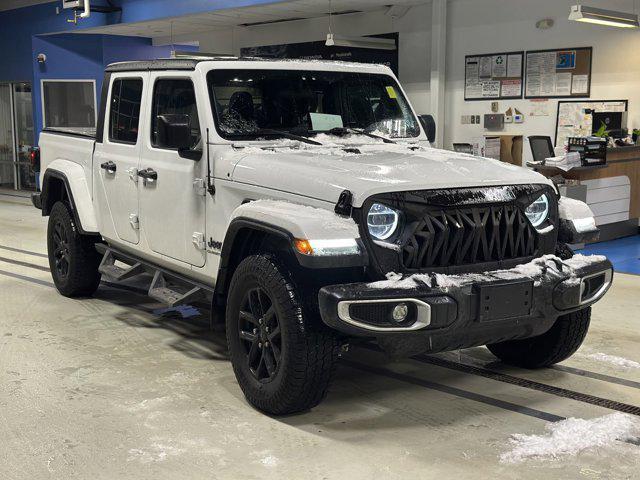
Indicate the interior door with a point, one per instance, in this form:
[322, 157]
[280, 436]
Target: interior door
[116, 160]
[172, 206]
[23, 109]
[7, 148]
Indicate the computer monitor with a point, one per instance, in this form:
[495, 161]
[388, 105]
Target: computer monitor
[614, 122]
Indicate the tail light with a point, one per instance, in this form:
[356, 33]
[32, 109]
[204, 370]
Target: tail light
[34, 157]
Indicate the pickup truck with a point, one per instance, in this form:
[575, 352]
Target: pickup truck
[305, 201]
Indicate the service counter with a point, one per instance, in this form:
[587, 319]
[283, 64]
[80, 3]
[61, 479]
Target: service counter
[612, 190]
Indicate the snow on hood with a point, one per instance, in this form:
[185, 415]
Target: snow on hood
[300, 220]
[323, 172]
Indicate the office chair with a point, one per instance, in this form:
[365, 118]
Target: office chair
[541, 148]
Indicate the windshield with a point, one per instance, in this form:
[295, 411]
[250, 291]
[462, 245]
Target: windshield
[253, 104]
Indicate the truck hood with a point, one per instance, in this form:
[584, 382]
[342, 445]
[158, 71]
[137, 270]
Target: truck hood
[324, 172]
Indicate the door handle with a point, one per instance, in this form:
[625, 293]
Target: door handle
[148, 174]
[109, 166]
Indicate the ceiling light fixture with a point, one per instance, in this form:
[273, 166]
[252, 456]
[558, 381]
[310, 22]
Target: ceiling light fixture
[600, 16]
[361, 42]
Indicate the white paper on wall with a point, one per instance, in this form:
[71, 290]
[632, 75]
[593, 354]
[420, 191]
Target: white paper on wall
[514, 66]
[563, 84]
[580, 84]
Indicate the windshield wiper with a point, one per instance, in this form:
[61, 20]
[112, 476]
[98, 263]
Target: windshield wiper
[289, 135]
[344, 130]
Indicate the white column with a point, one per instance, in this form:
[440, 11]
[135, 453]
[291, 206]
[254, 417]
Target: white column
[438, 63]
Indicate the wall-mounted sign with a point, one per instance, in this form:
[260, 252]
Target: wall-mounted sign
[562, 73]
[495, 76]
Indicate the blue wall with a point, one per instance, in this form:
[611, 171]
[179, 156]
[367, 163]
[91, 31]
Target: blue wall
[26, 32]
[84, 57]
[18, 26]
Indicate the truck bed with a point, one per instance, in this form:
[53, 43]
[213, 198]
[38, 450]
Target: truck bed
[65, 147]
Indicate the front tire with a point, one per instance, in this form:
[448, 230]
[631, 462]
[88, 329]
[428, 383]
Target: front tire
[554, 346]
[73, 258]
[282, 356]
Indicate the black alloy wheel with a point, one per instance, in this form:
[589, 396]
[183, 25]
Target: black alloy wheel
[61, 255]
[259, 331]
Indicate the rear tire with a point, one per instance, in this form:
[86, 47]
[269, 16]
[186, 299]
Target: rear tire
[554, 346]
[73, 258]
[283, 357]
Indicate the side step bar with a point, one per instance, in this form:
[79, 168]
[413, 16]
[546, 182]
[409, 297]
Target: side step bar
[169, 288]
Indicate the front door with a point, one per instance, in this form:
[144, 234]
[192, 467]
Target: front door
[116, 160]
[172, 204]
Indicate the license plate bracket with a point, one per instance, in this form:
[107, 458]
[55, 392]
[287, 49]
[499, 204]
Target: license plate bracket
[505, 300]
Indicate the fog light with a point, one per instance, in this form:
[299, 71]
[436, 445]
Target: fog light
[400, 312]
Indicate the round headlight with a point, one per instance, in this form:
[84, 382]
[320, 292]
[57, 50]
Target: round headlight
[538, 211]
[382, 221]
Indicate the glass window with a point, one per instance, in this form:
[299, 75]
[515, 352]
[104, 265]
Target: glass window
[252, 104]
[175, 96]
[69, 104]
[126, 98]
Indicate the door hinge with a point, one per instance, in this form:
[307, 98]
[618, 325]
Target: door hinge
[134, 221]
[200, 187]
[133, 174]
[198, 241]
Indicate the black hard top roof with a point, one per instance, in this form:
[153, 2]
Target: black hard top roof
[191, 63]
[162, 64]
[178, 63]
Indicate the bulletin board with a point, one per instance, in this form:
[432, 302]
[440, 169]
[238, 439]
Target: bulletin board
[559, 73]
[573, 121]
[495, 76]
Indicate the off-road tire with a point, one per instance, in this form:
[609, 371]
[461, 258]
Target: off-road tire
[82, 277]
[309, 350]
[554, 346]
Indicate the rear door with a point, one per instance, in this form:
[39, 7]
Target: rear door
[172, 205]
[116, 159]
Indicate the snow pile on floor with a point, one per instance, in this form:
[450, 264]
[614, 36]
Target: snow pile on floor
[612, 359]
[534, 270]
[572, 436]
[327, 219]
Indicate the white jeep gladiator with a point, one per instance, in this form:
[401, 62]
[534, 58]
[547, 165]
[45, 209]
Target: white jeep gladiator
[304, 198]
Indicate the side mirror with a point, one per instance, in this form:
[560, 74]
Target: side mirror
[174, 131]
[429, 125]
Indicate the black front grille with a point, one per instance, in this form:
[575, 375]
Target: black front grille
[451, 237]
[461, 230]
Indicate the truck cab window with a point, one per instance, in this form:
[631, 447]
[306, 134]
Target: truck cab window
[126, 97]
[247, 103]
[175, 96]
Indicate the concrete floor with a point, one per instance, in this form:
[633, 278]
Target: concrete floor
[104, 388]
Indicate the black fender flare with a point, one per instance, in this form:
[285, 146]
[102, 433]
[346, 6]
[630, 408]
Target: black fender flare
[225, 270]
[47, 201]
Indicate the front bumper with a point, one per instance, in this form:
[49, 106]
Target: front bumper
[474, 309]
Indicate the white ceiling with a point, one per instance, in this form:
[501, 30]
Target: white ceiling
[11, 4]
[221, 19]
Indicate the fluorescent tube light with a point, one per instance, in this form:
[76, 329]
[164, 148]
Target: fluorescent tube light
[600, 16]
[361, 42]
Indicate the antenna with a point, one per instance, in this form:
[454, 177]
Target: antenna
[173, 47]
[211, 188]
[330, 17]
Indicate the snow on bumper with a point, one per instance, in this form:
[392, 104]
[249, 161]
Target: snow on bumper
[530, 295]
